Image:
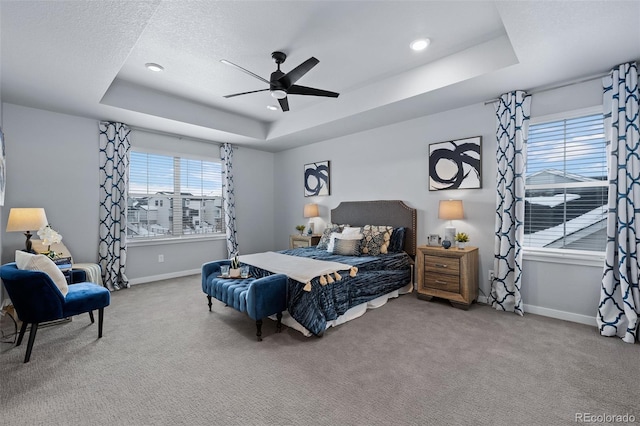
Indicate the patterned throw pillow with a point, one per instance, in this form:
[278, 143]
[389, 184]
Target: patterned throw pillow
[346, 247]
[326, 235]
[376, 240]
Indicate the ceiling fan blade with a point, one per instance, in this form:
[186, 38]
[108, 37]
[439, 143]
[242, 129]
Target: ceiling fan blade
[303, 90]
[294, 75]
[284, 104]
[224, 61]
[245, 93]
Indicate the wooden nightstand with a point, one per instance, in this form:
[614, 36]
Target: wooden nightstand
[298, 240]
[450, 274]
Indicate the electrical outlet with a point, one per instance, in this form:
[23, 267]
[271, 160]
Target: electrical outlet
[160, 258]
[492, 275]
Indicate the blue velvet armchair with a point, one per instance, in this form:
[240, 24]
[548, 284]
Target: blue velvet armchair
[36, 299]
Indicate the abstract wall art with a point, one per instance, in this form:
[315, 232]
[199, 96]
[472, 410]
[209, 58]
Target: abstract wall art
[455, 164]
[317, 179]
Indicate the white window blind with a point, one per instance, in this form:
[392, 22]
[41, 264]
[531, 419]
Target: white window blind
[566, 185]
[171, 196]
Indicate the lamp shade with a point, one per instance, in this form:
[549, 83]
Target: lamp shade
[450, 210]
[311, 210]
[26, 219]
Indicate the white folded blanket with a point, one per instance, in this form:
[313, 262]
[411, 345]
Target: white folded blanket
[301, 269]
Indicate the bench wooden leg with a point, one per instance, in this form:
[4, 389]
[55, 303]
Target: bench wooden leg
[100, 321]
[279, 323]
[209, 301]
[259, 327]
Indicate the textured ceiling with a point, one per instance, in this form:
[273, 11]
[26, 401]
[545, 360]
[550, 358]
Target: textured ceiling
[87, 58]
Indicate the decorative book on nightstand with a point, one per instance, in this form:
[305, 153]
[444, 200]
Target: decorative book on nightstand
[298, 240]
[450, 274]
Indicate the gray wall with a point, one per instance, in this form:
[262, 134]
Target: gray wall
[391, 163]
[52, 162]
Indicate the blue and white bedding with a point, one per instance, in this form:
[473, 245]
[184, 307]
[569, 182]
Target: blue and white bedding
[377, 275]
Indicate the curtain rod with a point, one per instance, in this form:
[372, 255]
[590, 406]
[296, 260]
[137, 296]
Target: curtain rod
[557, 86]
[160, 132]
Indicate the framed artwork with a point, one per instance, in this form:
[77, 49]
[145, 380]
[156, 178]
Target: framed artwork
[317, 179]
[455, 164]
[433, 240]
[3, 169]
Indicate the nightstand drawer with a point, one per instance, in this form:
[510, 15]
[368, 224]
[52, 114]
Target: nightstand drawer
[299, 243]
[442, 265]
[442, 282]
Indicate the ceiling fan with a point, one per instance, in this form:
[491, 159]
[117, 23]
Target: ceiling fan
[282, 84]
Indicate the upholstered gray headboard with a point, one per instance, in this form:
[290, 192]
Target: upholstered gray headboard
[381, 212]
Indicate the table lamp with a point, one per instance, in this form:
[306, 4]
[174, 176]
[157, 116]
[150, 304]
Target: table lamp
[450, 210]
[24, 220]
[311, 211]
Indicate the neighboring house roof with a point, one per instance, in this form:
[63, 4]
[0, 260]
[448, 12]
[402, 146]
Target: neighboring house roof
[549, 176]
[580, 227]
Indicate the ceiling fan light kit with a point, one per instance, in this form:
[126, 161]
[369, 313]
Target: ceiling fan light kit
[281, 85]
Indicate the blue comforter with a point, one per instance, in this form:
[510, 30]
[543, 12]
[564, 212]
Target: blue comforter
[377, 275]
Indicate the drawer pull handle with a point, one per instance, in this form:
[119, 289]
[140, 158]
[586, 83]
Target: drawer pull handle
[440, 282]
[441, 265]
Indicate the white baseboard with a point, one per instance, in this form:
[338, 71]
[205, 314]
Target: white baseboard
[161, 277]
[552, 313]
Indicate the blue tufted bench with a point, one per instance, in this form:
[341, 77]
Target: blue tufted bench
[258, 297]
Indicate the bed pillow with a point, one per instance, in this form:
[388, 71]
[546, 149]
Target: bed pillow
[346, 234]
[40, 262]
[332, 240]
[348, 230]
[375, 240]
[396, 244]
[326, 235]
[346, 247]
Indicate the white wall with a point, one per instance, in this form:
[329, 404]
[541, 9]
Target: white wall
[390, 162]
[52, 162]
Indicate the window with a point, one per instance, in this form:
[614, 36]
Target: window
[171, 196]
[566, 185]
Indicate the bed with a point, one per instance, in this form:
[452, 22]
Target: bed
[379, 277]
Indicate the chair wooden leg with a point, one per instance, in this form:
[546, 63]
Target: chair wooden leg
[100, 321]
[259, 327]
[209, 301]
[32, 337]
[21, 335]
[279, 323]
[91, 316]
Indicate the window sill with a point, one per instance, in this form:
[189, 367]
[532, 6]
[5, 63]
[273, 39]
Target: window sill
[567, 257]
[174, 240]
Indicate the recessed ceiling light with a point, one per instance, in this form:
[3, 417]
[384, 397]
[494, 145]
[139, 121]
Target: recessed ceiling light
[272, 107]
[154, 67]
[420, 44]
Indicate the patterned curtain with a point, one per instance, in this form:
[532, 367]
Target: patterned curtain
[512, 115]
[114, 182]
[229, 198]
[619, 296]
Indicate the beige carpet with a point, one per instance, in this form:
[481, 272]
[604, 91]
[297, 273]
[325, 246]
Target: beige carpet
[166, 360]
